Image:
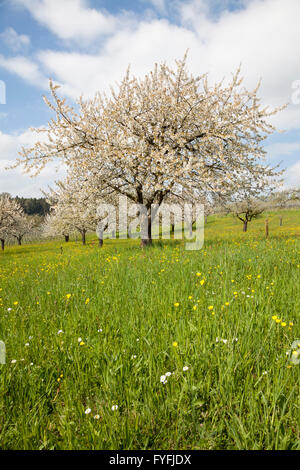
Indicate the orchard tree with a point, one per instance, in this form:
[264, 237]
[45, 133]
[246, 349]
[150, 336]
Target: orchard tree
[23, 225]
[56, 224]
[71, 209]
[295, 194]
[150, 135]
[246, 210]
[10, 213]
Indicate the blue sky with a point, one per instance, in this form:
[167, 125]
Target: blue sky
[86, 45]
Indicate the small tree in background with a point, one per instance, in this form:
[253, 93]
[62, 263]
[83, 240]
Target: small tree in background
[55, 224]
[72, 208]
[23, 225]
[10, 213]
[247, 210]
[295, 194]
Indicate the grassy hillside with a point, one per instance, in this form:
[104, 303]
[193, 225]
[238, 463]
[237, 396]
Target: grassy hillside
[92, 334]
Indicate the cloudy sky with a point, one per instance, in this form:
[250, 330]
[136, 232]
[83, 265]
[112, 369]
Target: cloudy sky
[86, 45]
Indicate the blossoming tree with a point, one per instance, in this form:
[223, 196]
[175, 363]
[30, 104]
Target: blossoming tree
[10, 213]
[150, 135]
[23, 225]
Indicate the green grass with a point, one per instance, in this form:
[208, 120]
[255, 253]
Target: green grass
[240, 394]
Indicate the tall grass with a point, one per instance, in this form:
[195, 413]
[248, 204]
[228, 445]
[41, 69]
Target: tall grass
[87, 329]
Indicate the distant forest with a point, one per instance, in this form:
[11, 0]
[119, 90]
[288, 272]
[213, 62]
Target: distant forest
[31, 205]
[34, 206]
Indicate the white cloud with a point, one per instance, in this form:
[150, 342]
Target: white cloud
[283, 149]
[70, 19]
[14, 40]
[25, 68]
[263, 36]
[292, 176]
[14, 181]
[141, 48]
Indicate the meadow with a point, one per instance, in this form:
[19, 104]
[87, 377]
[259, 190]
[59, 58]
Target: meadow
[156, 348]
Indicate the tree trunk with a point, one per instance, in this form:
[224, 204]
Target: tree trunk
[245, 226]
[205, 219]
[280, 223]
[267, 228]
[100, 233]
[19, 241]
[2, 243]
[172, 228]
[67, 238]
[83, 237]
[147, 241]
